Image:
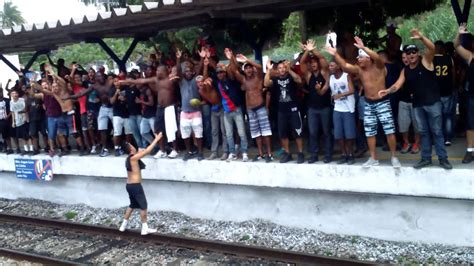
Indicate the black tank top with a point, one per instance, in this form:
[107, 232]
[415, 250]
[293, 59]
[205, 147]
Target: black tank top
[444, 74]
[314, 99]
[470, 91]
[128, 166]
[424, 85]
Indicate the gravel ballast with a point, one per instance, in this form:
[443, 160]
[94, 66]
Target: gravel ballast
[253, 232]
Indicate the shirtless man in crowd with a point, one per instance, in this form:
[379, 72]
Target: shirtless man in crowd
[102, 87]
[252, 84]
[66, 124]
[371, 70]
[164, 86]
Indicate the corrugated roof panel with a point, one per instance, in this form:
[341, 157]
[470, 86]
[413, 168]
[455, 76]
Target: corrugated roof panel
[64, 22]
[77, 20]
[105, 15]
[7, 31]
[134, 8]
[150, 5]
[26, 27]
[91, 18]
[118, 12]
[16, 28]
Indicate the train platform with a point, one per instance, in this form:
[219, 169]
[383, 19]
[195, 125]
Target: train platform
[430, 205]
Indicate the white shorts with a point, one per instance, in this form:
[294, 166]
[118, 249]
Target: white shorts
[120, 124]
[191, 122]
[105, 114]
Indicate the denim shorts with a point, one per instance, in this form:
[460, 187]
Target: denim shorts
[344, 125]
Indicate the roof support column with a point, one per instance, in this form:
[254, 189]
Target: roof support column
[121, 62]
[33, 59]
[8, 63]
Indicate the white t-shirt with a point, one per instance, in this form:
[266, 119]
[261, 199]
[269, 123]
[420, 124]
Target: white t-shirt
[15, 108]
[338, 86]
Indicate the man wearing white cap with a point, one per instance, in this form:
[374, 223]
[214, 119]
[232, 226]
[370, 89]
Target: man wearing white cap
[372, 72]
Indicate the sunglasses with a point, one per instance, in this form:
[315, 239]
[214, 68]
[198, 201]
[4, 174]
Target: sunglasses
[411, 52]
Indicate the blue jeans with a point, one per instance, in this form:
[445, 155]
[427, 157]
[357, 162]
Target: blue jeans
[229, 120]
[448, 109]
[206, 124]
[134, 122]
[320, 119]
[53, 123]
[429, 120]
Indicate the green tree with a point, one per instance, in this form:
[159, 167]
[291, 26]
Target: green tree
[11, 16]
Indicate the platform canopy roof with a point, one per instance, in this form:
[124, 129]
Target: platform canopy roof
[146, 20]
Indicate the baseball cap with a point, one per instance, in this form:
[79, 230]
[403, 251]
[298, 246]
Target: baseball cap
[411, 47]
[245, 65]
[362, 53]
[392, 25]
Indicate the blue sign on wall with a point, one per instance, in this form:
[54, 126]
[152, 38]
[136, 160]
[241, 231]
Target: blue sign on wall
[34, 169]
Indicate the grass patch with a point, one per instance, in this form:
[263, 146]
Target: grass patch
[70, 215]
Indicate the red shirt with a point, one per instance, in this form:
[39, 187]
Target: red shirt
[82, 100]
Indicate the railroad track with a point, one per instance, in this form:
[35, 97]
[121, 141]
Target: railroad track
[87, 244]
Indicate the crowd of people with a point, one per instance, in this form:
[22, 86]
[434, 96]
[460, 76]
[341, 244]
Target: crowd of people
[196, 102]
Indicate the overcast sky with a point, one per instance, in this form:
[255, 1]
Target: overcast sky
[39, 11]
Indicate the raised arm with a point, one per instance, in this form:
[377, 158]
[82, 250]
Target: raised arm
[293, 74]
[427, 58]
[232, 69]
[463, 52]
[373, 55]
[268, 81]
[346, 67]
[138, 81]
[148, 149]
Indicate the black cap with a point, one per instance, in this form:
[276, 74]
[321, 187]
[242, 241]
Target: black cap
[410, 47]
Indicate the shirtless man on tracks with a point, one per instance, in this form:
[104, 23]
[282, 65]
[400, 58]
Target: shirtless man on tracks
[134, 167]
[371, 70]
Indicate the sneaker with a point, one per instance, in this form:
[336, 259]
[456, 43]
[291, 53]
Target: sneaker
[173, 154]
[160, 154]
[224, 156]
[444, 163]
[187, 156]
[212, 156]
[51, 153]
[269, 158]
[327, 160]
[82, 152]
[200, 157]
[35, 152]
[370, 162]
[300, 158]
[396, 163]
[350, 160]
[9, 151]
[467, 157]
[146, 231]
[18, 151]
[117, 152]
[245, 157]
[231, 157]
[422, 163]
[405, 148]
[415, 149]
[123, 226]
[94, 150]
[343, 160]
[447, 143]
[104, 153]
[257, 158]
[286, 158]
[314, 158]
